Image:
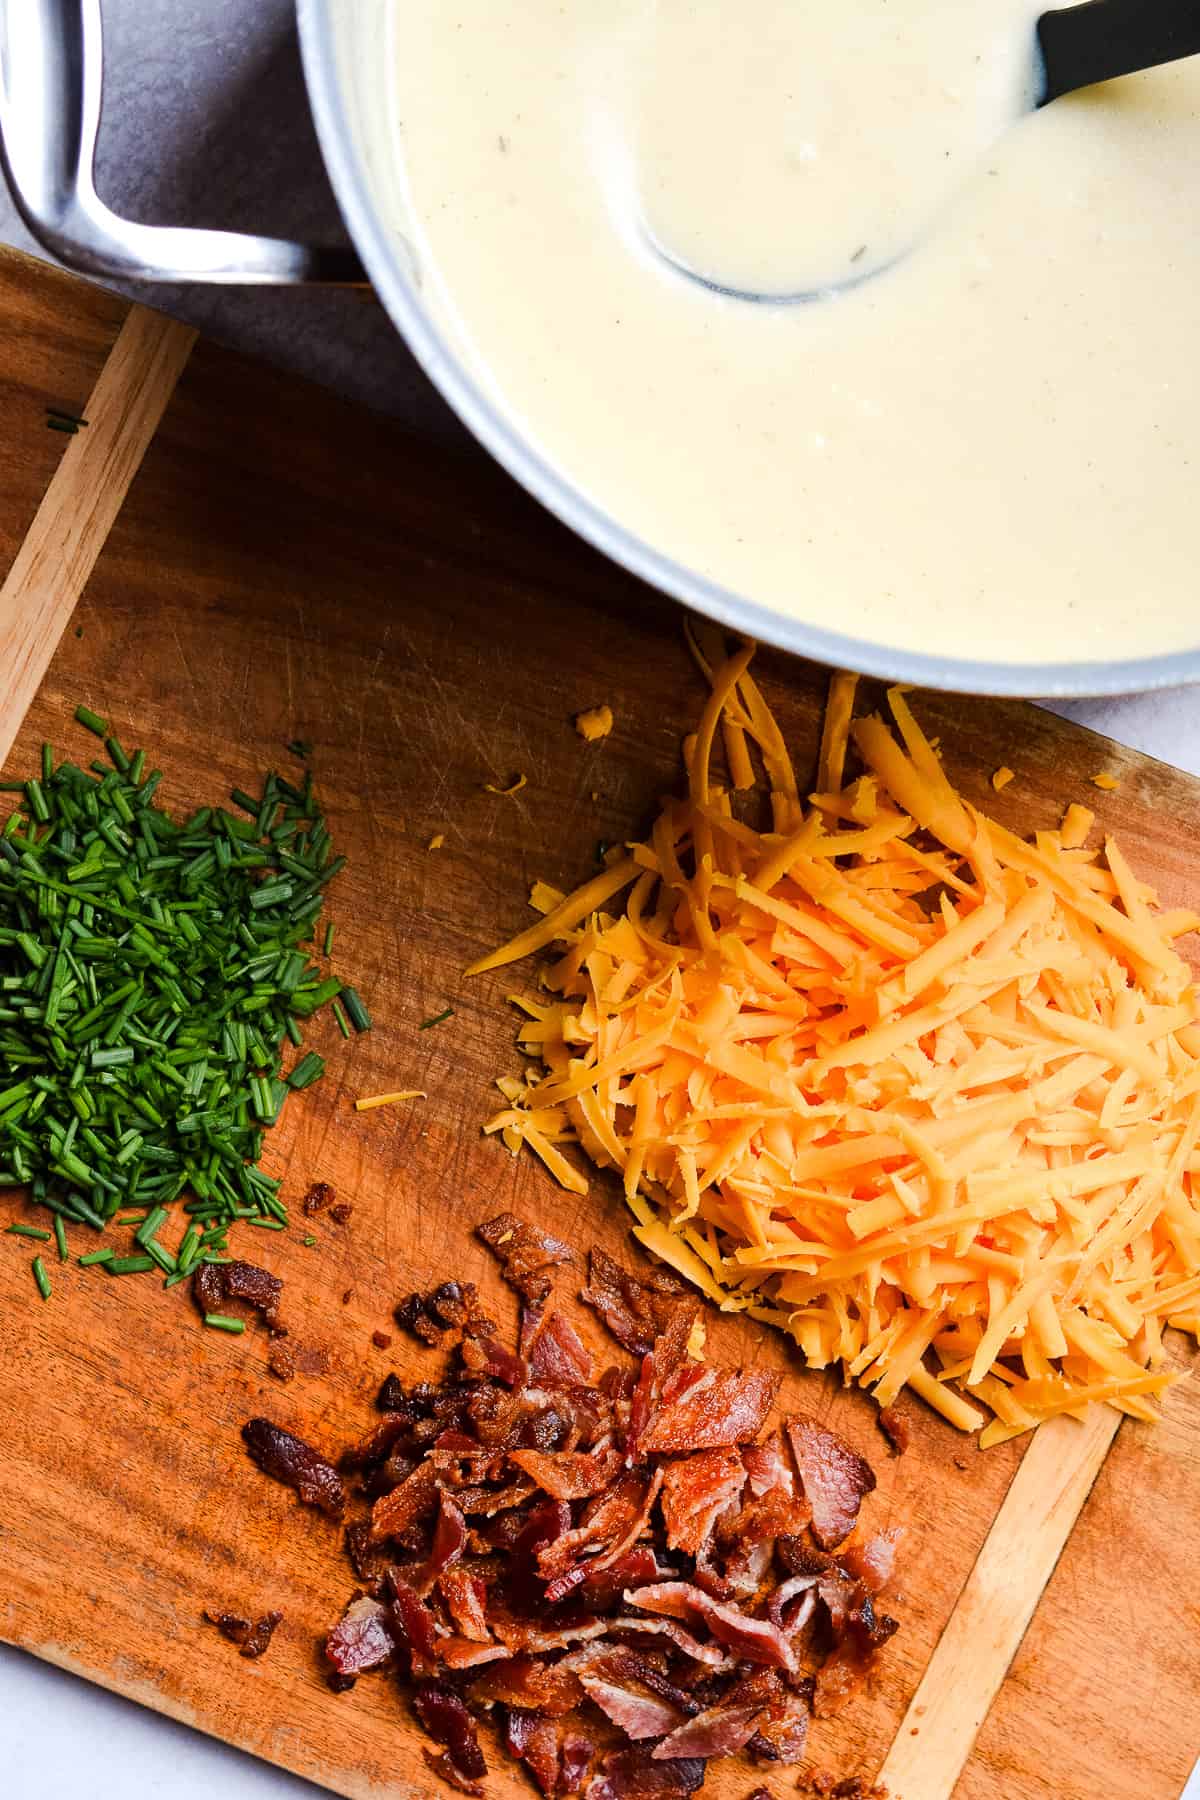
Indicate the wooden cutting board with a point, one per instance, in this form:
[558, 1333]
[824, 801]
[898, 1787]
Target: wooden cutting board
[282, 566]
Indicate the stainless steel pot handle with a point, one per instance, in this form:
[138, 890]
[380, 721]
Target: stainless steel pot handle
[51, 78]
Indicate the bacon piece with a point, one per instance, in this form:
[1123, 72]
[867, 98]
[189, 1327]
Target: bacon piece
[603, 1588]
[896, 1426]
[289, 1459]
[526, 1253]
[782, 1734]
[834, 1477]
[613, 1677]
[571, 1474]
[704, 1408]
[442, 1765]
[709, 1654]
[556, 1353]
[378, 1444]
[767, 1467]
[523, 1578]
[696, 1491]
[754, 1640]
[319, 1196]
[458, 1653]
[412, 1500]
[611, 1525]
[412, 1626]
[446, 1719]
[465, 1597]
[488, 1356]
[522, 1636]
[530, 1686]
[362, 1638]
[634, 1775]
[577, 1753]
[874, 1563]
[446, 1315]
[449, 1542]
[721, 1730]
[535, 1742]
[215, 1284]
[635, 1312]
[252, 1638]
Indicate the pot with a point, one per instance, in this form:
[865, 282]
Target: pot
[50, 81]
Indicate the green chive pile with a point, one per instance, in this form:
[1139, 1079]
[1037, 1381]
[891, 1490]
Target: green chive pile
[150, 973]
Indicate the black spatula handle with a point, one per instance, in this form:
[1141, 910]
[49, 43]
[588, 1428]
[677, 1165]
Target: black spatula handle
[1105, 38]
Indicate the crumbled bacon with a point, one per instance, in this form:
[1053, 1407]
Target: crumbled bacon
[289, 1459]
[526, 1255]
[319, 1196]
[341, 1213]
[834, 1477]
[362, 1639]
[636, 1312]
[446, 1315]
[633, 1550]
[214, 1285]
[253, 1638]
[896, 1427]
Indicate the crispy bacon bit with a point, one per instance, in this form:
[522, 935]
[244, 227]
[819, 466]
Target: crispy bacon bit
[362, 1639]
[342, 1212]
[280, 1361]
[571, 1474]
[634, 1775]
[444, 1715]
[834, 1477]
[253, 1639]
[381, 1340]
[215, 1284]
[554, 1349]
[703, 1408]
[696, 1491]
[289, 1459]
[553, 1548]
[446, 1315]
[897, 1427]
[635, 1312]
[319, 1196]
[526, 1255]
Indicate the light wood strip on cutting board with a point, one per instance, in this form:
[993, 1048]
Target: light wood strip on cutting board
[1001, 1595]
[83, 499]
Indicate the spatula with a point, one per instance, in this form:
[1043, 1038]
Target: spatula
[1082, 45]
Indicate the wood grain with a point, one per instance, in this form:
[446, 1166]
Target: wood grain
[84, 496]
[286, 567]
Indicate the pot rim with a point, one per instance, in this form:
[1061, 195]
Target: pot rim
[382, 251]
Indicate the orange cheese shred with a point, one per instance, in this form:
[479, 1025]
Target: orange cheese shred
[877, 1071]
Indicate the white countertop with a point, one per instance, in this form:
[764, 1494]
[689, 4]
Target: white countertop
[178, 142]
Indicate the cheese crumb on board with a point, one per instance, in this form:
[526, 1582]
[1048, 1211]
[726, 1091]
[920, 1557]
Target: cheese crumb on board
[1108, 783]
[594, 724]
[1002, 777]
[436, 841]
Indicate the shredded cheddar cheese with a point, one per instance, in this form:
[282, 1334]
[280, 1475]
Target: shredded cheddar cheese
[373, 1100]
[1002, 777]
[1107, 782]
[876, 1071]
[506, 793]
[436, 841]
[594, 724]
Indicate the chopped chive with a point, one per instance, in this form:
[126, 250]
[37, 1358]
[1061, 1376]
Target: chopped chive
[222, 1322]
[28, 1231]
[41, 1277]
[438, 1019]
[357, 1013]
[329, 931]
[96, 1256]
[310, 1068]
[129, 1265]
[340, 1016]
[60, 1238]
[92, 721]
[268, 1225]
[308, 1242]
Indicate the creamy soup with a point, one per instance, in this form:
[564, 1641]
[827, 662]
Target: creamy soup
[809, 299]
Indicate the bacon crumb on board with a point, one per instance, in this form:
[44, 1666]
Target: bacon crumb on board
[896, 1426]
[920, 1093]
[627, 1576]
[319, 1196]
[253, 1637]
